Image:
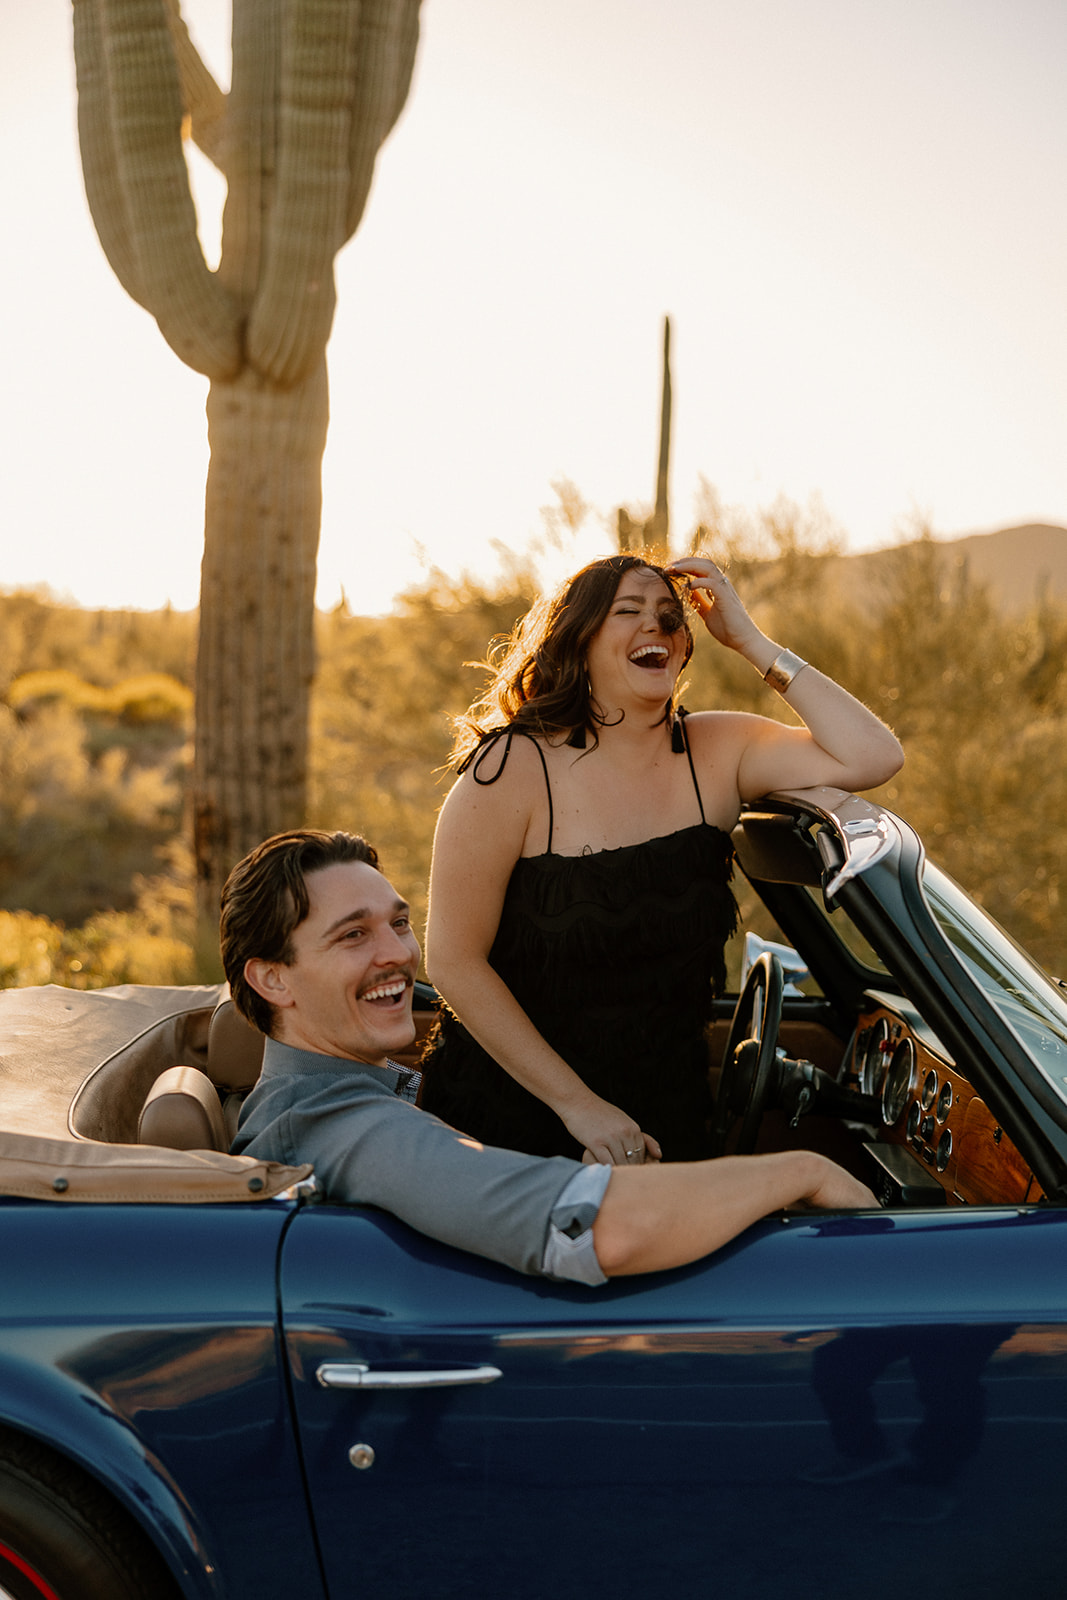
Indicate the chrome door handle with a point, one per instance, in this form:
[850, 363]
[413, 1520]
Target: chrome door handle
[357, 1375]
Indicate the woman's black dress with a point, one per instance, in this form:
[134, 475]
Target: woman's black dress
[615, 956]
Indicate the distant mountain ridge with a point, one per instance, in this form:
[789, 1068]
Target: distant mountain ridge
[1016, 563]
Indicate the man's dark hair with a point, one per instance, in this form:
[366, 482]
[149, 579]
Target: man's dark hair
[265, 899]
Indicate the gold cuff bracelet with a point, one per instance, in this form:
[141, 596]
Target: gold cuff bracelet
[783, 669]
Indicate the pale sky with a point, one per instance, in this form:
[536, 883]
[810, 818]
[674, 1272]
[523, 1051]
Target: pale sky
[853, 211]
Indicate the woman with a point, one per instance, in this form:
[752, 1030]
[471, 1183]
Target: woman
[579, 894]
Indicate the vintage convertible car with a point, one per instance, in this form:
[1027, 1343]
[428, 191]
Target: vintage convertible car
[213, 1384]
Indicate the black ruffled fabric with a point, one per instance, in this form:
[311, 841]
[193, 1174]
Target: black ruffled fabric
[615, 956]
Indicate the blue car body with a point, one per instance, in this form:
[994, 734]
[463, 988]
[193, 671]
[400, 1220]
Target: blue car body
[285, 1397]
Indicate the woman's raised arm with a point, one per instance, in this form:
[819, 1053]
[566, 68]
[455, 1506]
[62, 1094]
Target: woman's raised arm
[842, 743]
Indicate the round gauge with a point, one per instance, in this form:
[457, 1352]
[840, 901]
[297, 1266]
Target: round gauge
[944, 1102]
[915, 1116]
[944, 1150]
[900, 1082]
[929, 1094]
[872, 1064]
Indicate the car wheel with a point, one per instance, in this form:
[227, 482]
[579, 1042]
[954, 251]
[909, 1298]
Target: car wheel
[62, 1537]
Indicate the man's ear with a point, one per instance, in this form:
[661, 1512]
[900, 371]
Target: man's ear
[270, 980]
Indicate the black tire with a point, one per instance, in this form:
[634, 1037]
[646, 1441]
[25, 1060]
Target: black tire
[62, 1537]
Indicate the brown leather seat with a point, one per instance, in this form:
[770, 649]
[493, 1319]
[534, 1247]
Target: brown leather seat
[234, 1049]
[183, 1112]
[234, 1059]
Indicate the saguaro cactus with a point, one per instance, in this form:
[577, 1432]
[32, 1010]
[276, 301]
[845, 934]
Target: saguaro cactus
[316, 86]
[653, 533]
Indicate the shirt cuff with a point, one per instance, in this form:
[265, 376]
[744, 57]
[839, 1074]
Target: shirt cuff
[569, 1251]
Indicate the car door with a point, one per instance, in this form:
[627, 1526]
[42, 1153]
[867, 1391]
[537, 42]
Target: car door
[468, 1431]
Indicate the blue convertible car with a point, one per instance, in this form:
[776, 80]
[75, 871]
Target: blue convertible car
[215, 1386]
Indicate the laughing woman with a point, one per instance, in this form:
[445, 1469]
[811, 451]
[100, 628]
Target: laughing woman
[580, 895]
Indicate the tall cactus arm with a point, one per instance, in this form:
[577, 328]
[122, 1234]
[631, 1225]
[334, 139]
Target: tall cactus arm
[388, 38]
[202, 99]
[293, 310]
[194, 314]
[252, 145]
[107, 202]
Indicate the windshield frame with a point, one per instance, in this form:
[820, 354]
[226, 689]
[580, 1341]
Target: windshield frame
[1031, 1004]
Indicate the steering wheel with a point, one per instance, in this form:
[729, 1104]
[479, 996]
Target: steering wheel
[748, 1080]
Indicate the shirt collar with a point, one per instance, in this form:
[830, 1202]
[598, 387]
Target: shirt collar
[284, 1060]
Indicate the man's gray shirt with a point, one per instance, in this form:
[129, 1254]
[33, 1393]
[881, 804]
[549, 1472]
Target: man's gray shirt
[370, 1146]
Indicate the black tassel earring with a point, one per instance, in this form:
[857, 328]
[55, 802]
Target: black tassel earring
[677, 733]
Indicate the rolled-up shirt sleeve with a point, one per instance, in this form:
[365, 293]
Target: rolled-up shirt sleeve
[532, 1213]
[569, 1249]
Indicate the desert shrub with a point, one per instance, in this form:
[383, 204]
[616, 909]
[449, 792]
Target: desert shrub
[75, 831]
[29, 947]
[152, 942]
[147, 697]
[40, 633]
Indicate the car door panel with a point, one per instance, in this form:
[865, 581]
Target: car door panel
[664, 1429]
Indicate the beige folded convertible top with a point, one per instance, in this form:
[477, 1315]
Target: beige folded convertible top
[32, 1168]
[59, 1047]
[52, 1039]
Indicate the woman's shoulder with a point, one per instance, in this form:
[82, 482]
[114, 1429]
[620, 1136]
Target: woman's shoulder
[717, 741]
[499, 794]
[510, 752]
[704, 728]
[506, 768]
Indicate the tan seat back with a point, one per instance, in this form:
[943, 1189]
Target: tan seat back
[183, 1111]
[234, 1049]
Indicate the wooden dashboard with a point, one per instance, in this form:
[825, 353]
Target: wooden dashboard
[931, 1111]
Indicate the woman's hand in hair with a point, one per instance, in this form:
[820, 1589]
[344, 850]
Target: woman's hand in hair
[716, 600]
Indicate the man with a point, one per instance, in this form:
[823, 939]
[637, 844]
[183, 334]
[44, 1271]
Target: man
[320, 956]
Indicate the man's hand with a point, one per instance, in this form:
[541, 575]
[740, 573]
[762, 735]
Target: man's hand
[837, 1190]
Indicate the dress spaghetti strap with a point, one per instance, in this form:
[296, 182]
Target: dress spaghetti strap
[680, 716]
[489, 743]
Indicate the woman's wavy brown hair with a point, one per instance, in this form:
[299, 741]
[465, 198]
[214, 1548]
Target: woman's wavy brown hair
[539, 680]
